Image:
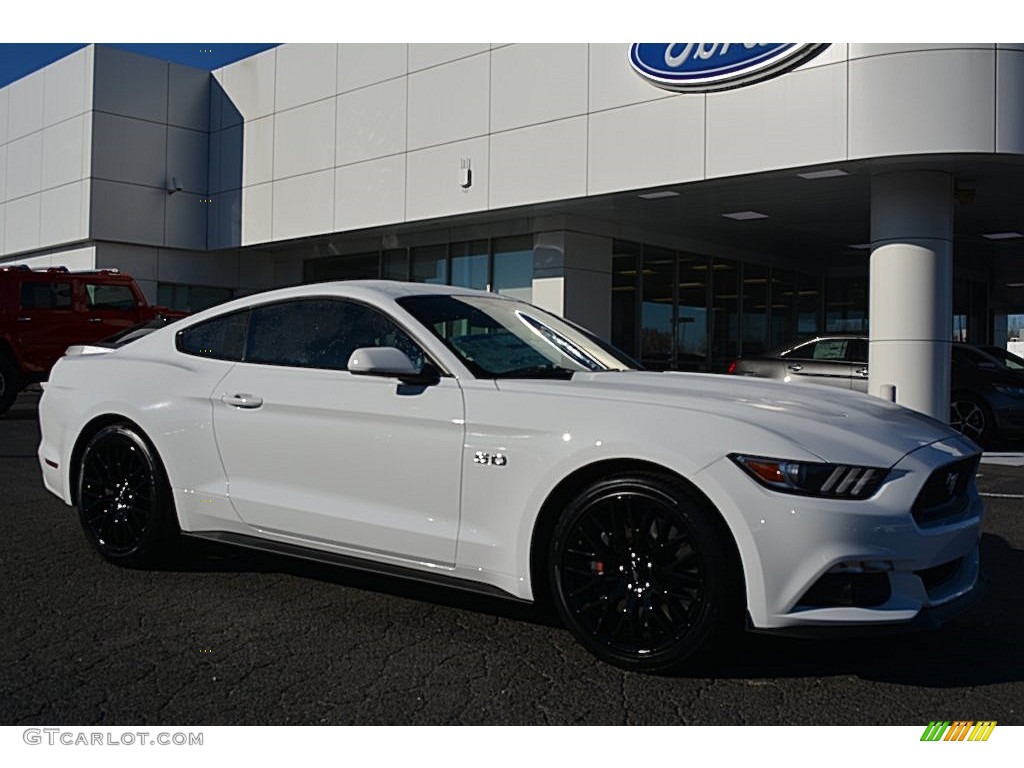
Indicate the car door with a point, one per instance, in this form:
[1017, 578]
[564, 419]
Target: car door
[316, 453]
[45, 320]
[826, 362]
[109, 307]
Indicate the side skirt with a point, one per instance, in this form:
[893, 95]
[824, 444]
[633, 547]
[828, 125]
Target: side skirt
[355, 563]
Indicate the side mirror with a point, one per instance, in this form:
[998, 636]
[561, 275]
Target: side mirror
[391, 362]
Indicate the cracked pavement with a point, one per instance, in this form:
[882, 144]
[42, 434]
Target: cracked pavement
[229, 637]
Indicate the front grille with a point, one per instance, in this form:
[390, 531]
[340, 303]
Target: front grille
[944, 499]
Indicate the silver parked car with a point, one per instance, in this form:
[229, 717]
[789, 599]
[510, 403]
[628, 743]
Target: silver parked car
[987, 400]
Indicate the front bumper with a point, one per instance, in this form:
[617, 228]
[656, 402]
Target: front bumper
[800, 555]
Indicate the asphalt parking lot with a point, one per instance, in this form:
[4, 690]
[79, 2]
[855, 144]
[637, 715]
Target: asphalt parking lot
[227, 637]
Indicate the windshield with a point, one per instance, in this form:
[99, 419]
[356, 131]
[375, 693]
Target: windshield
[502, 338]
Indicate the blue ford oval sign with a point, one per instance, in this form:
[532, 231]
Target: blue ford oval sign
[704, 67]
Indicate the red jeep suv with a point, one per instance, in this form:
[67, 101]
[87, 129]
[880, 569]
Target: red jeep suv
[43, 312]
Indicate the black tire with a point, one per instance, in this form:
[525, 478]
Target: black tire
[970, 416]
[124, 500]
[9, 383]
[642, 574]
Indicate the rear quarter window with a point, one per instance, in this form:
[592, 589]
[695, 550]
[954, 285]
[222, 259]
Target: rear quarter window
[222, 338]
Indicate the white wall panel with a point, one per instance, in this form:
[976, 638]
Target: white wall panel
[304, 139]
[433, 180]
[76, 259]
[226, 153]
[67, 87]
[22, 226]
[129, 150]
[140, 263]
[258, 151]
[613, 82]
[130, 84]
[64, 152]
[5, 100]
[3, 228]
[3, 173]
[864, 50]
[423, 55]
[797, 119]
[544, 162]
[536, 83]
[249, 86]
[257, 211]
[223, 220]
[188, 98]
[188, 158]
[836, 53]
[450, 102]
[306, 72]
[1009, 101]
[303, 205]
[646, 145]
[186, 221]
[371, 122]
[913, 103]
[64, 214]
[25, 106]
[361, 64]
[127, 212]
[198, 268]
[368, 194]
[25, 165]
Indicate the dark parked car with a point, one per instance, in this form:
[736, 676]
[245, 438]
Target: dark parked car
[987, 391]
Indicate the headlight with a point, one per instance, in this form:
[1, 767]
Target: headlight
[1008, 390]
[830, 481]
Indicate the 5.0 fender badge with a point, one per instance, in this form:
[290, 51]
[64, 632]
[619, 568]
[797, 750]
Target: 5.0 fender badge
[490, 459]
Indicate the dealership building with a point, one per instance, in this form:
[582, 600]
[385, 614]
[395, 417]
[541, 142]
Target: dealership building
[866, 188]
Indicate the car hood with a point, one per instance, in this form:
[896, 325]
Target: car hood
[836, 425]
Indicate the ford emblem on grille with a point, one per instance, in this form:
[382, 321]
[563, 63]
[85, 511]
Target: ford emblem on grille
[704, 67]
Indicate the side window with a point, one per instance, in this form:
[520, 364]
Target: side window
[321, 333]
[857, 351]
[102, 296]
[830, 349]
[222, 338]
[43, 295]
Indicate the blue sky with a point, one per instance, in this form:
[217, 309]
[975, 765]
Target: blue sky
[20, 59]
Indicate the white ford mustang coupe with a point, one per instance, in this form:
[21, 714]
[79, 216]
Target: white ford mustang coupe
[474, 440]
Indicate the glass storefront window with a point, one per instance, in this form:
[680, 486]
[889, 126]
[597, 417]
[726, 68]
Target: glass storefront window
[430, 264]
[358, 266]
[656, 312]
[191, 298]
[846, 304]
[395, 264]
[755, 309]
[725, 313]
[513, 267]
[692, 313]
[625, 278]
[469, 264]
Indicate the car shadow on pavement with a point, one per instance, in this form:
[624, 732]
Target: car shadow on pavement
[980, 648]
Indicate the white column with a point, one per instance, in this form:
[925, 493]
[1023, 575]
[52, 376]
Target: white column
[911, 300]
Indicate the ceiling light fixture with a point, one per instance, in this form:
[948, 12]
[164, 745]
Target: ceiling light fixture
[658, 195]
[745, 215]
[1002, 235]
[829, 173]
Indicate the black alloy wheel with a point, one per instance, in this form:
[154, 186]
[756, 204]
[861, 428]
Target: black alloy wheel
[640, 573]
[969, 416]
[124, 502]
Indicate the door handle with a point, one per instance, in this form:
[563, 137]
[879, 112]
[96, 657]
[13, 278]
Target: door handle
[862, 371]
[24, 319]
[95, 319]
[795, 367]
[242, 400]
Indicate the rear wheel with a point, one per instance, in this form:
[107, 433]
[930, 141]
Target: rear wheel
[8, 383]
[971, 417]
[124, 501]
[641, 574]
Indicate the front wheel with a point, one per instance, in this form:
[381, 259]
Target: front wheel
[641, 573]
[124, 501]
